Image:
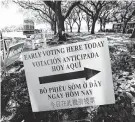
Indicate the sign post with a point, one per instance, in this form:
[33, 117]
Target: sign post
[69, 76]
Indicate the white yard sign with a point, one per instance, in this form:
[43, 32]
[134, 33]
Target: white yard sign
[69, 76]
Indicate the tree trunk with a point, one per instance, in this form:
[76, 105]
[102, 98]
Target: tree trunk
[61, 29]
[55, 28]
[88, 26]
[60, 22]
[104, 26]
[124, 27]
[66, 27]
[1, 35]
[60, 25]
[93, 26]
[79, 28]
[101, 26]
[70, 28]
[133, 34]
[52, 26]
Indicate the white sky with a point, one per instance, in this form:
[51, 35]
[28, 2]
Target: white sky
[10, 16]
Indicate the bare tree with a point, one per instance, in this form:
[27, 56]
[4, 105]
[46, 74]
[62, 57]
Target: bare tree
[93, 9]
[105, 16]
[71, 20]
[51, 19]
[78, 18]
[114, 17]
[124, 12]
[56, 6]
[127, 13]
[87, 18]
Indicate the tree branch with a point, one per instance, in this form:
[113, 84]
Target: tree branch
[93, 4]
[130, 17]
[70, 8]
[86, 10]
[50, 4]
[28, 5]
[44, 18]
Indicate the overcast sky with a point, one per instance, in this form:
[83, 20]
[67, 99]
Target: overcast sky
[10, 16]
